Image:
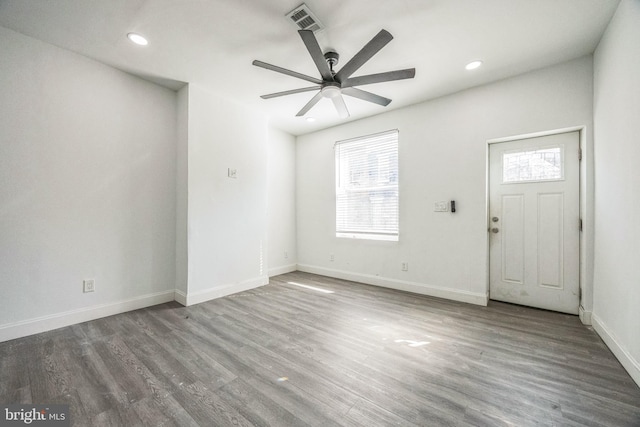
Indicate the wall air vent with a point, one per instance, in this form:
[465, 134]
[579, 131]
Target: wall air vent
[304, 19]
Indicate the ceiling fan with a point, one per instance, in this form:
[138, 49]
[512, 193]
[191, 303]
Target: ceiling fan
[335, 84]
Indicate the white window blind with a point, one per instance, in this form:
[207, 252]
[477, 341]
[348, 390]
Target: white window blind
[367, 196]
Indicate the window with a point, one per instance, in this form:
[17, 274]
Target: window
[367, 187]
[543, 164]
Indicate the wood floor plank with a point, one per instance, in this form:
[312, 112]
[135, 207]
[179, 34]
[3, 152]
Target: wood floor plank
[128, 372]
[290, 355]
[163, 411]
[207, 408]
[14, 379]
[367, 413]
[256, 406]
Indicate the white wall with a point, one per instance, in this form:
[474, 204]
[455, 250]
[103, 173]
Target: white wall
[443, 145]
[87, 188]
[227, 217]
[281, 157]
[616, 311]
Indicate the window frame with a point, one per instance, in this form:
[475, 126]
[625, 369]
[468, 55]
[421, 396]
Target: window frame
[387, 141]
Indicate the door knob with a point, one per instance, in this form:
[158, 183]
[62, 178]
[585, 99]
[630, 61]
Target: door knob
[495, 230]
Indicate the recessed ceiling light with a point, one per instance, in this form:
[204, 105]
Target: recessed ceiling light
[137, 39]
[473, 65]
[310, 119]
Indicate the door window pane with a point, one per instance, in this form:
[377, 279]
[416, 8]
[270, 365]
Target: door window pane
[539, 165]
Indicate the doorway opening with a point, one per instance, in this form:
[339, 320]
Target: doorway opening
[534, 220]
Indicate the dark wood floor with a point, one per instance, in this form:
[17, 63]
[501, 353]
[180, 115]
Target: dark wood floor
[286, 355]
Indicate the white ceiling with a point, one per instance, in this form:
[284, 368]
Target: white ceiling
[211, 43]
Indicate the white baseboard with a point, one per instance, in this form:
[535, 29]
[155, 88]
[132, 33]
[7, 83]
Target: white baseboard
[402, 285]
[630, 364]
[37, 325]
[180, 297]
[276, 271]
[220, 291]
[585, 316]
[28, 327]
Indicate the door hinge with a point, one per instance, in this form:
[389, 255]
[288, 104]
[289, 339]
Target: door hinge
[579, 153]
[580, 224]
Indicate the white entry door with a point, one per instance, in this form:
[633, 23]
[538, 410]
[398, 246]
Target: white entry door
[534, 222]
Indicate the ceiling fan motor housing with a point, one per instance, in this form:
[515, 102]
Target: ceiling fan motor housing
[332, 60]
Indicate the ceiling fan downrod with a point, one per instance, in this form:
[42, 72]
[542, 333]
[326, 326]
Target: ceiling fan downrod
[332, 60]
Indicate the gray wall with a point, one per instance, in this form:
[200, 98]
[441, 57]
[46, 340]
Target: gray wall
[87, 187]
[227, 217]
[617, 182]
[281, 192]
[443, 146]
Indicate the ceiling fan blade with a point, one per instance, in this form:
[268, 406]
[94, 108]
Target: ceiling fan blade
[375, 44]
[287, 72]
[310, 104]
[366, 96]
[341, 107]
[389, 76]
[313, 47]
[289, 92]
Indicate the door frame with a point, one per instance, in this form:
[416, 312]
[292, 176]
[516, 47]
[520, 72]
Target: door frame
[586, 200]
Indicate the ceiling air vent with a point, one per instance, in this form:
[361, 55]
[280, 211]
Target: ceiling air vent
[304, 19]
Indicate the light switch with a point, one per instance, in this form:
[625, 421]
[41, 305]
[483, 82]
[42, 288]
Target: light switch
[441, 207]
[232, 173]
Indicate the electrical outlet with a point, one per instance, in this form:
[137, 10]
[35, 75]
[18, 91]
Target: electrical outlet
[331, 257]
[286, 255]
[89, 285]
[405, 266]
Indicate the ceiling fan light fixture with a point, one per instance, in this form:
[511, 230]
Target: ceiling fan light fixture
[331, 91]
[473, 65]
[137, 39]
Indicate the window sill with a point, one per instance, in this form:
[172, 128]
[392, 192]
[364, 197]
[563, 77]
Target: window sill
[383, 237]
